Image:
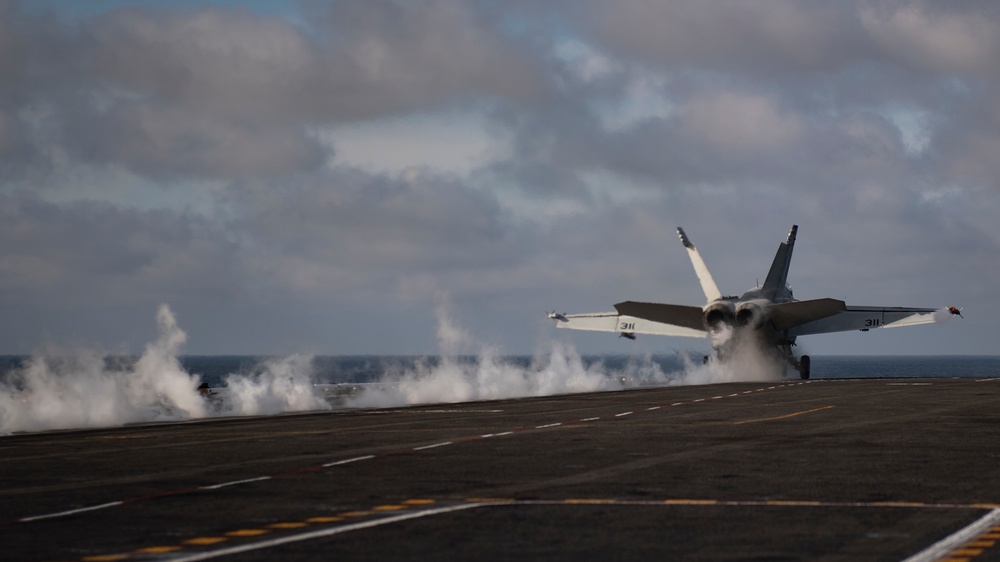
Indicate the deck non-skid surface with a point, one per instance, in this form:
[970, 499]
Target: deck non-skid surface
[874, 469]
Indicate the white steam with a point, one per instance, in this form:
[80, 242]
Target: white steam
[87, 389]
[279, 385]
[81, 389]
[556, 369]
[486, 377]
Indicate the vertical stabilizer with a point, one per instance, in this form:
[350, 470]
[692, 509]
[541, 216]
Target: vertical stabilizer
[775, 286]
[701, 270]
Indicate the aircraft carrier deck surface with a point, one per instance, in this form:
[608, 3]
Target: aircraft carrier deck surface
[874, 469]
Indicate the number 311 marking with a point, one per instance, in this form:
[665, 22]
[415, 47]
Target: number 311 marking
[873, 322]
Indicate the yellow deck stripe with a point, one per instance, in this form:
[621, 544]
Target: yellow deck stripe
[202, 541]
[783, 417]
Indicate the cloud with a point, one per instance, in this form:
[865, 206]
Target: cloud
[738, 122]
[316, 178]
[775, 37]
[219, 93]
[159, 141]
[936, 37]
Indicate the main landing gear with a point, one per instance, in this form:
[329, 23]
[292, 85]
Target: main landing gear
[802, 364]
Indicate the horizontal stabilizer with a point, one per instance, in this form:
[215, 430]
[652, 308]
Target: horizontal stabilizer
[869, 317]
[623, 324]
[791, 314]
[677, 315]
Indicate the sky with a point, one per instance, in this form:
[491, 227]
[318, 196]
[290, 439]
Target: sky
[321, 177]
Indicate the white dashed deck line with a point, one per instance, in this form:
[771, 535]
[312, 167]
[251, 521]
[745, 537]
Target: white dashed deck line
[235, 483]
[425, 447]
[348, 461]
[548, 425]
[70, 512]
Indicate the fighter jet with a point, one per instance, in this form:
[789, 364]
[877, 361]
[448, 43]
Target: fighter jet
[766, 315]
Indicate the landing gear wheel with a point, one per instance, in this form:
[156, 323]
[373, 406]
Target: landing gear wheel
[804, 367]
[704, 360]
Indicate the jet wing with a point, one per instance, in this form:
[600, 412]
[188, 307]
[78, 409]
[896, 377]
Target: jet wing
[688, 317]
[868, 317]
[639, 318]
[789, 315]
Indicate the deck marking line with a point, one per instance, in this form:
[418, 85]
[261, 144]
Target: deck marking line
[783, 417]
[157, 549]
[548, 425]
[419, 501]
[623, 414]
[202, 541]
[944, 546]
[676, 403]
[347, 461]
[652, 408]
[589, 419]
[233, 483]
[70, 512]
[504, 433]
[425, 447]
[261, 545]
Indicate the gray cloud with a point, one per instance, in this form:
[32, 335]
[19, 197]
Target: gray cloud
[875, 126]
[224, 93]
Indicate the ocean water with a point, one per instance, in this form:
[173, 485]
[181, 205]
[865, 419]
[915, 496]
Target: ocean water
[213, 369]
[366, 369]
[88, 390]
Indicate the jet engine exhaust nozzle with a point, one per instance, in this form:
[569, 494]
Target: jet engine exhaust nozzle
[717, 315]
[749, 315]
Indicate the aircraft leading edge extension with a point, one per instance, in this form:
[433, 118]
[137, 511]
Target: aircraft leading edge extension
[767, 315]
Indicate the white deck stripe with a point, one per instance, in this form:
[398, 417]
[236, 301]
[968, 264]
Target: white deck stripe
[70, 512]
[425, 447]
[348, 461]
[321, 533]
[623, 414]
[548, 425]
[234, 483]
[941, 548]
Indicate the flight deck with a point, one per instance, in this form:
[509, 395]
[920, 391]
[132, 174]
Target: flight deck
[872, 469]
